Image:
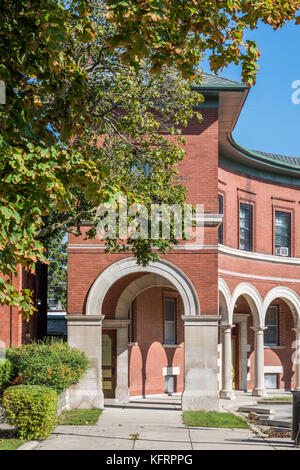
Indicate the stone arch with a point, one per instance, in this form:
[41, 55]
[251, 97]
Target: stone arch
[126, 266]
[253, 298]
[224, 302]
[137, 287]
[289, 296]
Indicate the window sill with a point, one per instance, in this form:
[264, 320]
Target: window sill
[274, 347]
[172, 345]
[133, 344]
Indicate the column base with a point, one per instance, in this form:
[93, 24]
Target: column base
[200, 401]
[227, 394]
[259, 393]
[122, 394]
[86, 399]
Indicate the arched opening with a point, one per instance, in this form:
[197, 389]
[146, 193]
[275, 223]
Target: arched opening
[241, 326]
[281, 314]
[107, 311]
[145, 311]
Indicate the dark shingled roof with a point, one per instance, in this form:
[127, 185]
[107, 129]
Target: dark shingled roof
[281, 159]
[214, 81]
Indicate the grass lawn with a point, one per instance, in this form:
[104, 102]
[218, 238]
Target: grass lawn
[213, 419]
[78, 417]
[9, 440]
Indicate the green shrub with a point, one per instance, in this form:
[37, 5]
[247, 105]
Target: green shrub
[5, 374]
[31, 409]
[52, 363]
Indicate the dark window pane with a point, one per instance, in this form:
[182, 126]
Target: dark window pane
[245, 227]
[283, 230]
[271, 322]
[170, 320]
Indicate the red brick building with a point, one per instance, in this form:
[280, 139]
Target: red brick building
[211, 318]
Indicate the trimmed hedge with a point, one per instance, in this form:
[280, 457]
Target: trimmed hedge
[31, 409]
[52, 363]
[5, 374]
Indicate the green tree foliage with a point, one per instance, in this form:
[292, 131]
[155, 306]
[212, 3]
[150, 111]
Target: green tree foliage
[83, 108]
[178, 32]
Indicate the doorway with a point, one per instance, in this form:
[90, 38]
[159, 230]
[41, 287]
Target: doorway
[108, 363]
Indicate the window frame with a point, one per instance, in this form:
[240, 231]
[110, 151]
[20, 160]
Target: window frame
[172, 298]
[249, 207]
[132, 326]
[270, 345]
[289, 235]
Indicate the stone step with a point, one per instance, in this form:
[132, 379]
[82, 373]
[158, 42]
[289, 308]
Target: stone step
[280, 429]
[274, 423]
[257, 410]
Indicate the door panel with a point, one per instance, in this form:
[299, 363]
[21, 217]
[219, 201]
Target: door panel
[235, 357]
[108, 364]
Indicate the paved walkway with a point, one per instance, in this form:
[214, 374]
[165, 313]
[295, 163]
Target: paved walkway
[153, 424]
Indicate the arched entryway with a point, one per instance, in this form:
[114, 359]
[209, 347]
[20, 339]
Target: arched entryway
[200, 331]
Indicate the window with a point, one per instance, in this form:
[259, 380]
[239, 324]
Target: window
[170, 320]
[132, 325]
[271, 334]
[169, 384]
[271, 381]
[141, 169]
[221, 225]
[245, 227]
[282, 233]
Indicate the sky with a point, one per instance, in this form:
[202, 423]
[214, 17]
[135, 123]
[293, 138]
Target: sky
[269, 121]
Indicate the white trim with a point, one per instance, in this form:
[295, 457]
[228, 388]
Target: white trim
[171, 371]
[256, 276]
[289, 296]
[253, 298]
[273, 370]
[90, 246]
[227, 250]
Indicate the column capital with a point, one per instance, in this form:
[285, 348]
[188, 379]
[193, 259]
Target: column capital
[226, 326]
[84, 319]
[209, 320]
[258, 329]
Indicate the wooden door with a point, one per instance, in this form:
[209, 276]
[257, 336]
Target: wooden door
[108, 363]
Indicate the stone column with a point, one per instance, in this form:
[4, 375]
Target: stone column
[122, 391]
[259, 384]
[297, 358]
[85, 334]
[226, 391]
[200, 363]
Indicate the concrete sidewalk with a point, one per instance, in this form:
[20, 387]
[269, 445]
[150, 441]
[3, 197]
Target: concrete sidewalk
[153, 424]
